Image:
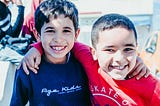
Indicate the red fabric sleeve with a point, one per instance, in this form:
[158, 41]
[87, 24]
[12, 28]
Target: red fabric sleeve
[38, 46]
[83, 54]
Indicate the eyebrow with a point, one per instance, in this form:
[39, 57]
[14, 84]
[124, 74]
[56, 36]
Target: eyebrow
[49, 28]
[54, 28]
[68, 28]
[132, 45]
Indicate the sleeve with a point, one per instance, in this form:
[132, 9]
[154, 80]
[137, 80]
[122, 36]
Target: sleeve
[16, 28]
[83, 54]
[156, 95]
[5, 20]
[20, 90]
[38, 46]
[2, 34]
[28, 24]
[25, 29]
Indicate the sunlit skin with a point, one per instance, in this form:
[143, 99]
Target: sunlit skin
[116, 52]
[58, 37]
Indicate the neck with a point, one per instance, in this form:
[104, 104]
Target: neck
[55, 60]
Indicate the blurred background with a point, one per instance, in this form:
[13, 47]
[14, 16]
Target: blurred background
[144, 13]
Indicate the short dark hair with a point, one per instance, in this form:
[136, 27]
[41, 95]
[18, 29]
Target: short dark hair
[110, 21]
[55, 8]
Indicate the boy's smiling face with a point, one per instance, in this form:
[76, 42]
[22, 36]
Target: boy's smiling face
[57, 37]
[116, 52]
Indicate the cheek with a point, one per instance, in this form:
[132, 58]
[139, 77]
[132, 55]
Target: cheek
[132, 60]
[71, 38]
[46, 38]
[104, 60]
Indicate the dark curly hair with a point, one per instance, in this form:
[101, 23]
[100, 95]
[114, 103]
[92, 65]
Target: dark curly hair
[55, 8]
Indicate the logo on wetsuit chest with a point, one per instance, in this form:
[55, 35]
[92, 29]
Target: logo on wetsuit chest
[63, 90]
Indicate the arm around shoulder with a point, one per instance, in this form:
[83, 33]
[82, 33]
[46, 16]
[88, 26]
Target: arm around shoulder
[83, 54]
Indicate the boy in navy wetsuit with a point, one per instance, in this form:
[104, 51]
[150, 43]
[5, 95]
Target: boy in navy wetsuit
[61, 80]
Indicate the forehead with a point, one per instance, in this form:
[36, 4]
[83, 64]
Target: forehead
[60, 21]
[116, 36]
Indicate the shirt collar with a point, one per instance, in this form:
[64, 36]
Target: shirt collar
[68, 57]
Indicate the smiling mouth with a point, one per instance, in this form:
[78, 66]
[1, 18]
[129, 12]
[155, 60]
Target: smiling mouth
[58, 49]
[118, 67]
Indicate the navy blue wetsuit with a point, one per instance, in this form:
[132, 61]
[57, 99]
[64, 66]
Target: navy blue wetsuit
[54, 85]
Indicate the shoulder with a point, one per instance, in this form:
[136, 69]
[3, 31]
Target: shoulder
[151, 79]
[149, 84]
[21, 75]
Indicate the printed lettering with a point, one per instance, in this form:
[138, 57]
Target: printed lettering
[110, 91]
[125, 102]
[116, 95]
[62, 91]
[96, 88]
[103, 90]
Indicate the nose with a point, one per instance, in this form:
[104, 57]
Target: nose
[119, 57]
[58, 38]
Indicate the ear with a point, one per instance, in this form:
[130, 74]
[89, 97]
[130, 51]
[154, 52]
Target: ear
[77, 33]
[94, 54]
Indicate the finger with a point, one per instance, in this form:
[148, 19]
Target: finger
[33, 69]
[147, 73]
[31, 66]
[135, 71]
[25, 68]
[138, 63]
[29, 62]
[141, 74]
[37, 62]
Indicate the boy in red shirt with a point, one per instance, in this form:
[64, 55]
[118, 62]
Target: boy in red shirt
[114, 41]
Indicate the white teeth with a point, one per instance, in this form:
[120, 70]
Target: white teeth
[119, 67]
[58, 48]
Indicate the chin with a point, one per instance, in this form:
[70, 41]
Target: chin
[116, 76]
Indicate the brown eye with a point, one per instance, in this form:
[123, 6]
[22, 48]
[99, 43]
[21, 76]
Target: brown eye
[128, 49]
[110, 50]
[66, 31]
